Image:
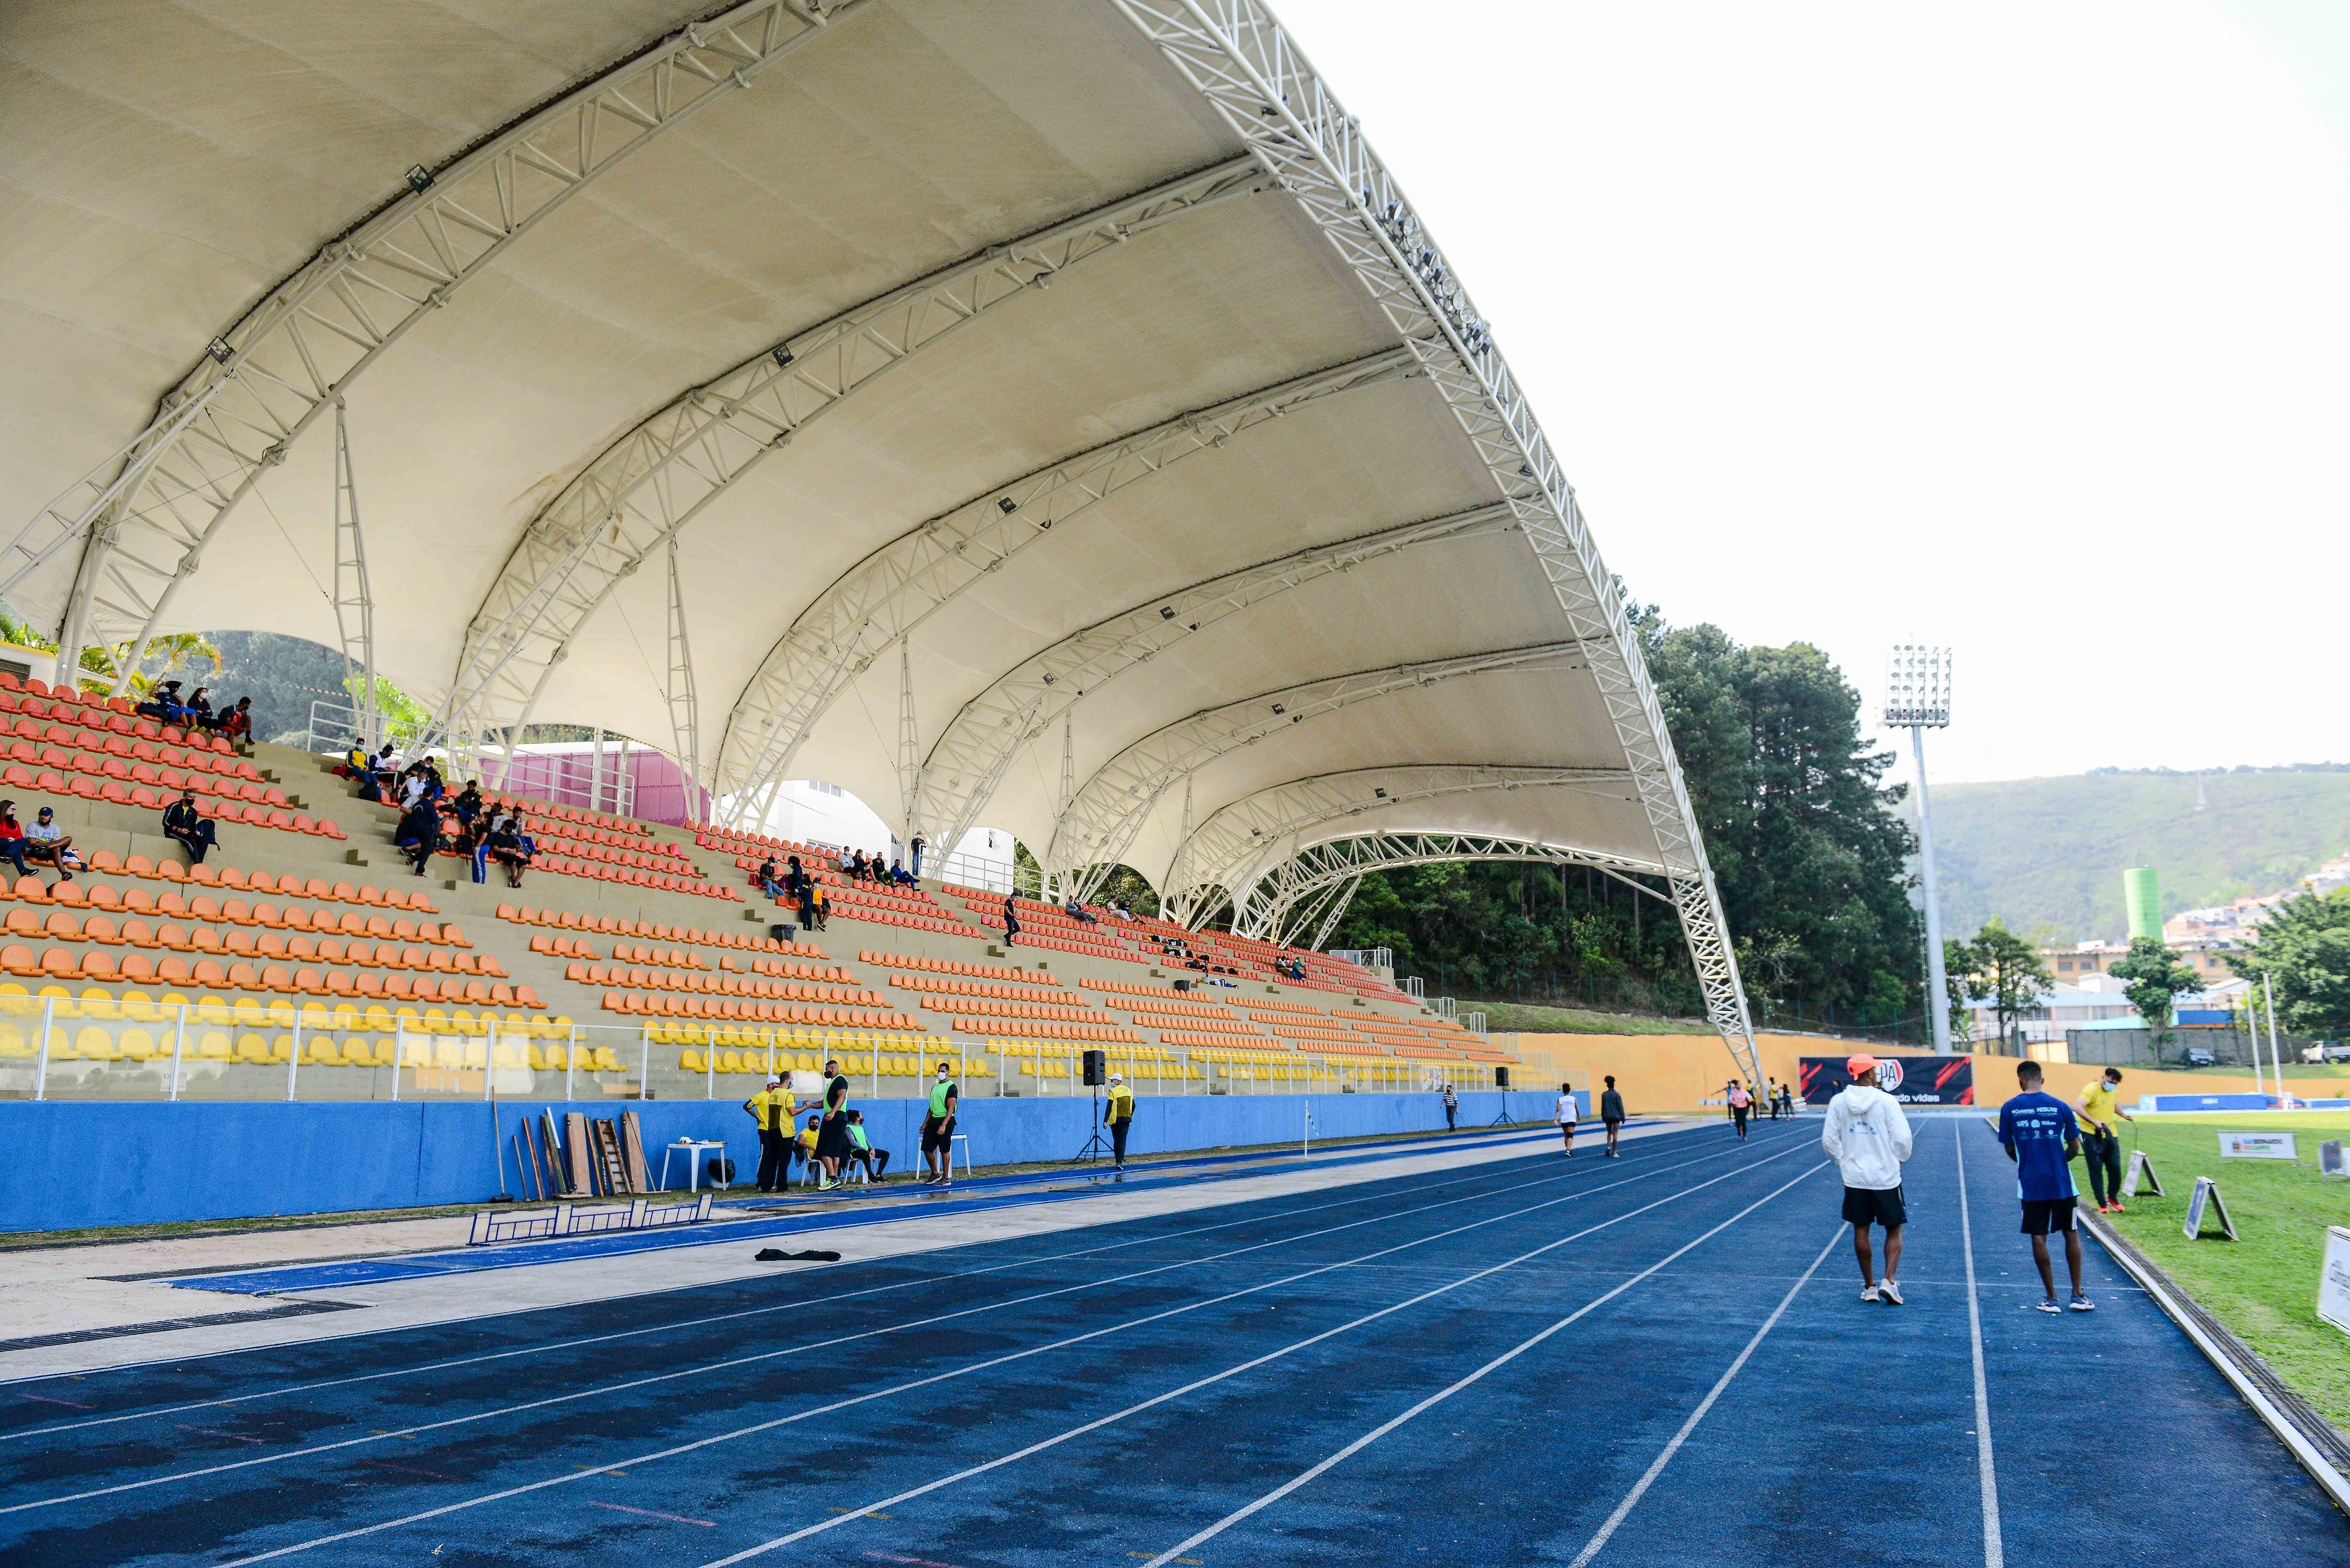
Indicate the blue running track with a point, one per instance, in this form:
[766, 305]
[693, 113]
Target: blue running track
[1660, 1359]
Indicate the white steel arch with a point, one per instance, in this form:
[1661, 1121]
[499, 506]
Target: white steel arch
[1238, 56]
[1239, 843]
[143, 518]
[1282, 903]
[1097, 827]
[895, 588]
[983, 739]
[642, 489]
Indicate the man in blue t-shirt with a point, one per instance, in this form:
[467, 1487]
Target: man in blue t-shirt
[2040, 1134]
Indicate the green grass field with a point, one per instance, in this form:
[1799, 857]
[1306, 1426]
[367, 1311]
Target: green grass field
[1530, 1018]
[2264, 1286]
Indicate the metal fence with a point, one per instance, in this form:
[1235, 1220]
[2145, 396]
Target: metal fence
[92, 1047]
[2140, 1048]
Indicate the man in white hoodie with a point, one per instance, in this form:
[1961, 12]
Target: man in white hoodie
[1869, 1137]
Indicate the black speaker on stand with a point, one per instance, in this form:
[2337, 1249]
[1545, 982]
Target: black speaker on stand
[1097, 1063]
[1501, 1082]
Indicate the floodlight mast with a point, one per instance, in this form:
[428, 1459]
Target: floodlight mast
[1918, 699]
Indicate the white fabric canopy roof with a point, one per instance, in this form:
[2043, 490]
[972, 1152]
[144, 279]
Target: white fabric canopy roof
[178, 173]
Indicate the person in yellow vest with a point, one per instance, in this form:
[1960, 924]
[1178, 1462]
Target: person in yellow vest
[2101, 1142]
[1117, 1114]
[770, 1111]
[938, 1128]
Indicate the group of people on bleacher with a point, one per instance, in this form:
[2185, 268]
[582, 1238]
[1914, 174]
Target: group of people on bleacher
[797, 886]
[834, 1141]
[432, 821]
[860, 868]
[165, 705]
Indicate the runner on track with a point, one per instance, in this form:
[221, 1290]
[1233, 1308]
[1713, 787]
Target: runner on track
[2040, 1134]
[1869, 1137]
[1611, 1114]
[1566, 1115]
[1741, 1101]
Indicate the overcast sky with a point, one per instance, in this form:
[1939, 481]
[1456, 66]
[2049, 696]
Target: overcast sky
[2024, 329]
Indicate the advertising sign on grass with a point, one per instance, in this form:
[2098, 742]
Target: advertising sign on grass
[2257, 1146]
[2334, 1280]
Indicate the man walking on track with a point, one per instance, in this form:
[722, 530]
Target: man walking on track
[2039, 1133]
[1869, 1137]
[1567, 1113]
[772, 1109]
[1117, 1114]
[1741, 1101]
[2101, 1140]
[1611, 1114]
[938, 1128]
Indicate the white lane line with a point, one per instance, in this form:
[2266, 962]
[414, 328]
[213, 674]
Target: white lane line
[699, 1443]
[1641, 1488]
[736, 1363]
[1994, 1548]
[934, 1277]
[1441, 1395]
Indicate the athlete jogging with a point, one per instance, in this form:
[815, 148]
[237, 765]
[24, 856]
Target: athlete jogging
[1741, 1101]
[1566, 1114]
[1869, 1137]
[2040, 1134]
[1611, 1114]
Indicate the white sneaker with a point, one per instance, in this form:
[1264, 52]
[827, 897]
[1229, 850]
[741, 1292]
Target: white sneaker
[2083, 1304]
[1892, 1292]
[1869, 1295]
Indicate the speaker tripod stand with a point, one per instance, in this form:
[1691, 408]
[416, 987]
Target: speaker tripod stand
[1504, 1119]
[1097, 1145]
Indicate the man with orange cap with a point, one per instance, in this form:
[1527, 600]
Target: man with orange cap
[1869, 1137]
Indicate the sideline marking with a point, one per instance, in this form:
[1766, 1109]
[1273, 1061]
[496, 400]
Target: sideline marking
[902, 1328]
[1994, 1548]
[992, 1361]
[1641, 1488]
[929, 1278]
[1381, 1430]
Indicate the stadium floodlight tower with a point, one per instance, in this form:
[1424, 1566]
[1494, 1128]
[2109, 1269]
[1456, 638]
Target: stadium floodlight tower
[1918, 699]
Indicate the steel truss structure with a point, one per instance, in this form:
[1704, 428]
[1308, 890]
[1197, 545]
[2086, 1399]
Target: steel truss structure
[1239, 845]
[1097, 827]
[981, 743]
[890, 593]
[640, 492]
[142, 519]
[1235, 54]
[1284, 897]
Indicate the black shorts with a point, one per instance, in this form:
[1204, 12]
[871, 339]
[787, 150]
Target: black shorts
[938, 1134]
[1866, 1206]
[2044, 1215]
[1614, 1121]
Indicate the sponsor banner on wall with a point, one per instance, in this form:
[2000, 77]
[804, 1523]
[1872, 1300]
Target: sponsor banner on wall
[1912, 1080]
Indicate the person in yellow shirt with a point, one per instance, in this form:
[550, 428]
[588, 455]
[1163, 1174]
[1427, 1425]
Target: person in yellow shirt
[2101, 1143]
[770, 1111]
[1117, 1114]
[806, 1140]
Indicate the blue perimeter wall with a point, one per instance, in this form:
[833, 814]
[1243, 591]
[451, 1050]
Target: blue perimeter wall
[81, 1164]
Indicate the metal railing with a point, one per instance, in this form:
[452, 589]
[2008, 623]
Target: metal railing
[66, 1047]
[1366, 958]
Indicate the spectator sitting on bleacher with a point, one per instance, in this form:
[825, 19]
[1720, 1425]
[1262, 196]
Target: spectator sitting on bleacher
[821, 903]
[1077, 912]
[12, 837]
[510, 848]
[200, 709]
[387, 769]
[899, 876]
[46, 844]
[419, 833]
[191, 829]
[468, 803]
[861, 1150]
[237, 722]
[162, 703]
[767, 878]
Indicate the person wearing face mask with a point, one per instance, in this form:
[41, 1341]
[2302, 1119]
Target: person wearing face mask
[938, 1127]
[1117, 1114]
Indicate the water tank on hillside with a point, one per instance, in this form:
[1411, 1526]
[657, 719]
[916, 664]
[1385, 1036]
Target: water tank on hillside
[2144, 902]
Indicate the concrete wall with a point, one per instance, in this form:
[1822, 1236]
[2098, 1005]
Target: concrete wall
[81, 1164]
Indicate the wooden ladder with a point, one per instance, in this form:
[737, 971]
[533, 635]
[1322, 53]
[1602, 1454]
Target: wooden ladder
[608, 1160]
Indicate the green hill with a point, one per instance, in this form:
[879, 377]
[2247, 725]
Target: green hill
[2051, 852]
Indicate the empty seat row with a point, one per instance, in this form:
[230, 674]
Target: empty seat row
[63, 925]
[1006, 990]
[993, 1007]
[607, 925]
[104, 862]
[647, 1004]
[170, 937]
[637, 977]
[136, 968]
[1104, 1032]
[957, 965]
